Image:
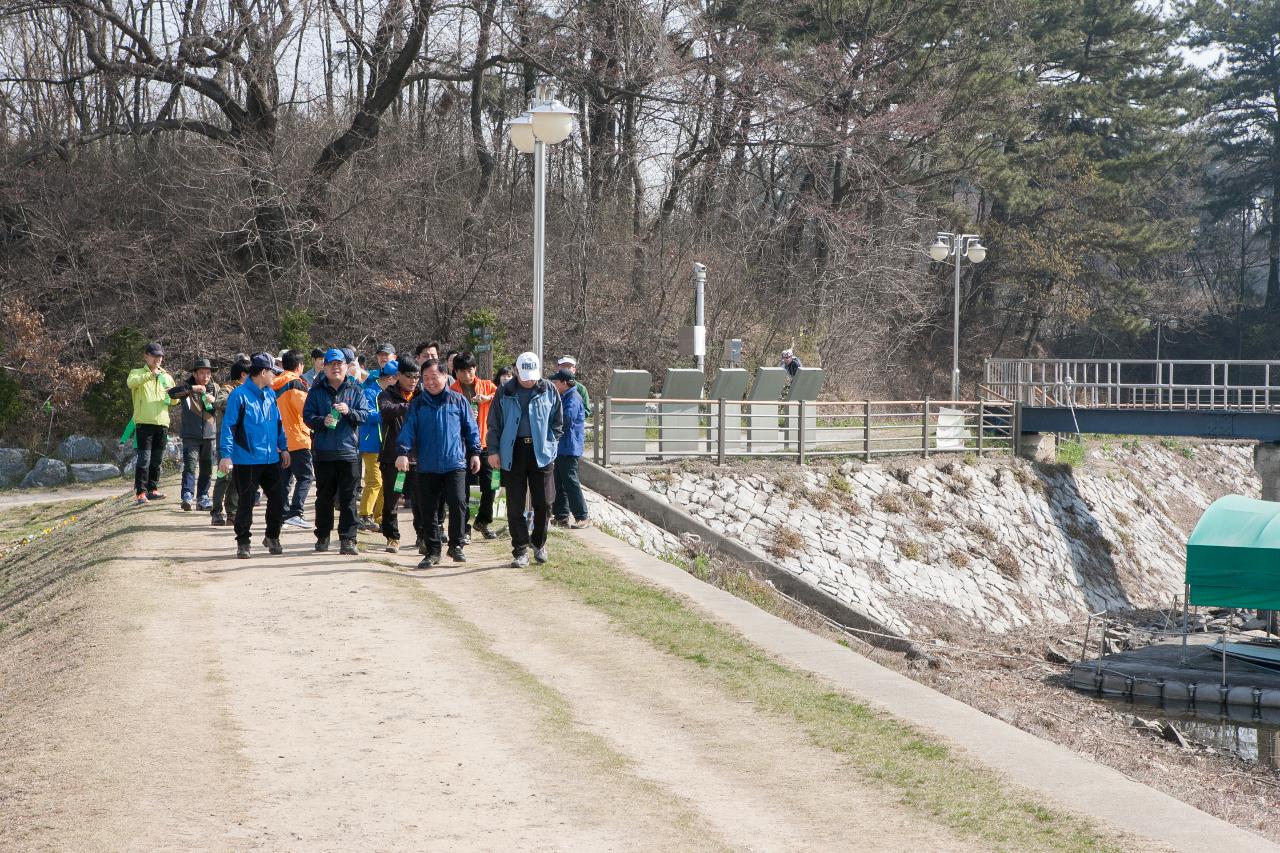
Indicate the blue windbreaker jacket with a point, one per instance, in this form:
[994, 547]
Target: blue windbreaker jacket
[252, 431]
[441, 430]
[371, 429]
[575, 423]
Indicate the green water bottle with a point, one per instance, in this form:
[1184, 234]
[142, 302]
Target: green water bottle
[495, 479]
[399, 486]
[336, 415]
[208, 402]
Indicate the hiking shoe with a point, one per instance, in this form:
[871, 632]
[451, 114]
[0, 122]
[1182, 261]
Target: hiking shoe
[429, 561]
[217, 519]
[560, 522]
[141, 499]
[186, 506]
[422, 545]
[322, 544]
[155, 496]
[368, 525]
[486, 532]
[580, 524]
[242, 551]
[204, 505]
[457, 556]
[348, 546]
[519, 561]
[273, 546]
[541, 554]
[393, 546]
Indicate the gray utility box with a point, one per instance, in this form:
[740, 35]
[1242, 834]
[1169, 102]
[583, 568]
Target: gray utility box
[626, 427]
[679, 430]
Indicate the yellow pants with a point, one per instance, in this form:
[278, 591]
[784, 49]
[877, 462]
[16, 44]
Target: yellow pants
[371, 496]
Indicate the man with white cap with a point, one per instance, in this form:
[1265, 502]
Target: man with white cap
[790, 362]
[569, 365]
[525, 424]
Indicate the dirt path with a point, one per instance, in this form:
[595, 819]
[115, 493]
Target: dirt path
[313, 702]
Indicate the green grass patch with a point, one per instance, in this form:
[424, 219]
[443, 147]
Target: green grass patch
[923, 772]
[1070, 453]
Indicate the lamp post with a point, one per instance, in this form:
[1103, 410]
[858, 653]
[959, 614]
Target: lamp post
[954, 245]
[546, 122]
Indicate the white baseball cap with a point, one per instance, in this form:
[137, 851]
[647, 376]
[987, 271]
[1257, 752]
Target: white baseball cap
[528, 367]
[567, 359]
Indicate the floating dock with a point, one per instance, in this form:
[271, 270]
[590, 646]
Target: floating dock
[1169, 672]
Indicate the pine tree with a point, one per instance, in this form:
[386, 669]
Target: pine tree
[1244, 117]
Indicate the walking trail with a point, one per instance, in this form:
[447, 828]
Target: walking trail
[189, 700]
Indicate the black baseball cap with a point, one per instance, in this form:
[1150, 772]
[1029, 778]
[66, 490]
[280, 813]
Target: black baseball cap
[388, 348]
[562, 376]
[263, 361]
[154, 349]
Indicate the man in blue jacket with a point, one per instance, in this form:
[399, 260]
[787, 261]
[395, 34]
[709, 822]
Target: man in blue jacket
[525, 423]
[255, 451]
[569, 497]
[440, 430]
[336, 407]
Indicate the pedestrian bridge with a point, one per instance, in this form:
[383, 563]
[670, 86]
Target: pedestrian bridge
[1205, 399]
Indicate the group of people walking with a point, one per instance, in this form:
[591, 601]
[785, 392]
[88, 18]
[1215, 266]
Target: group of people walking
[419, 430]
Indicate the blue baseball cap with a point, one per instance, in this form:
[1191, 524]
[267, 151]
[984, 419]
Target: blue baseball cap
[349, 355]
[334, 354]
[391, 368]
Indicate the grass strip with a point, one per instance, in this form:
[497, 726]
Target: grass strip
[928, 776]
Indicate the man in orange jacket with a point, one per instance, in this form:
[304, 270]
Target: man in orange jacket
[291, 394]
[479, 393]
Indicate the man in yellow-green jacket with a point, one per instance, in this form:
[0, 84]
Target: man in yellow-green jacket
[151, 401]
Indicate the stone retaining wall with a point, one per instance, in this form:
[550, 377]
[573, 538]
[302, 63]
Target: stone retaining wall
[999, 543]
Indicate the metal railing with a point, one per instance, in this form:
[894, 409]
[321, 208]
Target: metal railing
[1244, 386]
[634, 430]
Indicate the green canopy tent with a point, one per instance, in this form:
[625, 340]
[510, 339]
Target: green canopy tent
[1233, 555]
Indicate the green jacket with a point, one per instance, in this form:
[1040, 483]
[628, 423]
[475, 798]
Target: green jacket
[151, 399]
[586, 398]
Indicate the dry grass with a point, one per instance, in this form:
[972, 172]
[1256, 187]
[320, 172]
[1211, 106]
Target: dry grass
[1006, 562]
[786, 542]
[890, 502]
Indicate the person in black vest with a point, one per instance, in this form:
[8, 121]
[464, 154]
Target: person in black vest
[198, 429]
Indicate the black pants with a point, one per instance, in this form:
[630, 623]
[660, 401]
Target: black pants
[484, 515]
[391, 501]
[526, 475]
[247, 480]
[569, 497]
[336, 479]
[152, 441]
[297, 478]
[449, 488]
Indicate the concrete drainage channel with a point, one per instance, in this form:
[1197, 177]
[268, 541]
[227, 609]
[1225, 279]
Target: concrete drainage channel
[659, 512]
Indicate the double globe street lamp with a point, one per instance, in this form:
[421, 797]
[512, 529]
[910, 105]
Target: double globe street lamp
[954, 245]
[546, 122]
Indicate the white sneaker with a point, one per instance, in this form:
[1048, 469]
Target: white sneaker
[541, 554]
[300, 523]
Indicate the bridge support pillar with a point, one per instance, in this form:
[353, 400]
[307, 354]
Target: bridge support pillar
[1038, 446]
[1266, 461]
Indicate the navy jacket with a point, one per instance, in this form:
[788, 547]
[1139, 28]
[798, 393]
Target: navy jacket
[252, 432]
[441, 430]
[342, 443]
[574, 411]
